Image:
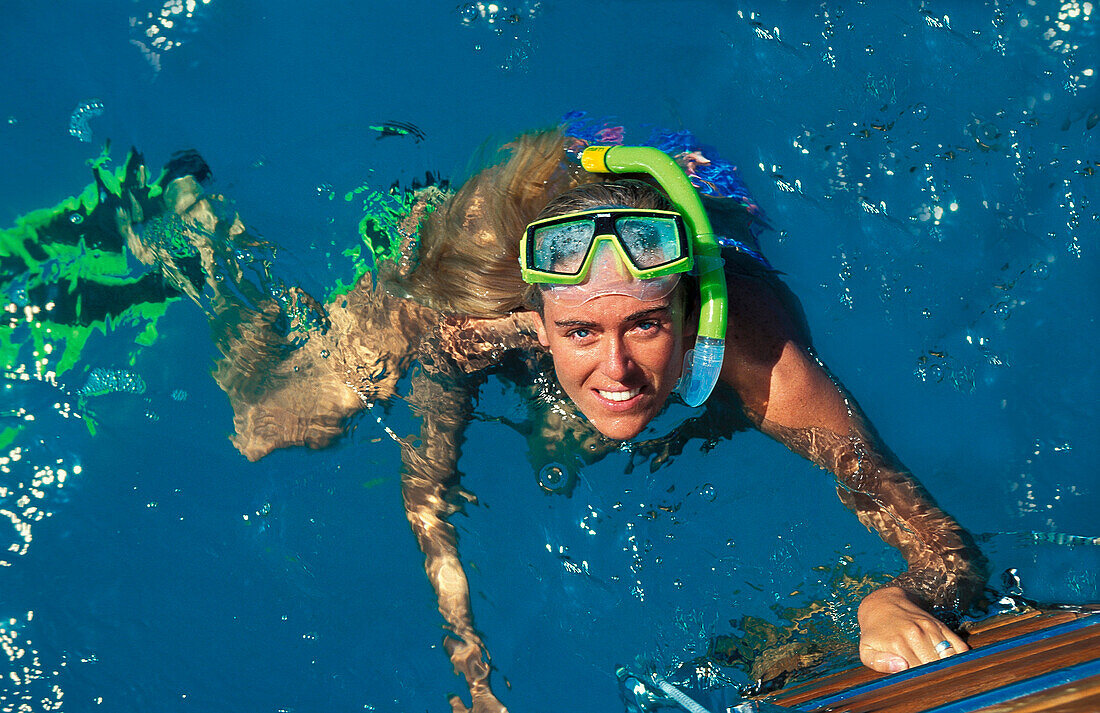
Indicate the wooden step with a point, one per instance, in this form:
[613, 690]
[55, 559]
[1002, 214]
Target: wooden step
[1036, 661]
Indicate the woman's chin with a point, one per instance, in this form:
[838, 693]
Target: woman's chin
[620, 428]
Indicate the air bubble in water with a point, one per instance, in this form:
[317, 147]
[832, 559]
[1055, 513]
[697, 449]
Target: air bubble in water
[78, 122]
[468, 12]
[708, 493]
[553, 478]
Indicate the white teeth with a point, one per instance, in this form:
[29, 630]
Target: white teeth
[619, 395]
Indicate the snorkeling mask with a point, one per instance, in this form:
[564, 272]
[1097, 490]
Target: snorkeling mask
[653, 246]
[609, 250]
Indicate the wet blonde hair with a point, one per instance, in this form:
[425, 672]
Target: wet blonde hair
[468, 254]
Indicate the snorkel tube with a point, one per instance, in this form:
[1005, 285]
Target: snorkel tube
[702, 364]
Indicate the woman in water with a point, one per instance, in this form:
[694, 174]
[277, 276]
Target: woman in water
[456, 302]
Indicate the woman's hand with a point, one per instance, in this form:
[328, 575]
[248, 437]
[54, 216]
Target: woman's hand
[895, 633]
[471, 660]
[483, 702]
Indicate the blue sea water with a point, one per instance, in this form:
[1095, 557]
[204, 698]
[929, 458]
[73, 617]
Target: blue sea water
[927, 170]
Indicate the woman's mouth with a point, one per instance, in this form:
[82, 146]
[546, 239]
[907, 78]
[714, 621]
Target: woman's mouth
[619, 395]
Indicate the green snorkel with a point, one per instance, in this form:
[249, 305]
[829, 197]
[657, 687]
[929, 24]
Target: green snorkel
[703, 364]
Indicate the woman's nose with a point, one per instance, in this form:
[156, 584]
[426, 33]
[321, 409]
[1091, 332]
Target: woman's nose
[617, 361]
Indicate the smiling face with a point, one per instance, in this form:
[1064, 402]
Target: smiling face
[617, 357]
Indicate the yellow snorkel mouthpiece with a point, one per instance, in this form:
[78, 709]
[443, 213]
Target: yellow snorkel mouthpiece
[592, 159]
[703, 364]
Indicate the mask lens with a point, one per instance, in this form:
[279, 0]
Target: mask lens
[650, 241]
[561, 248]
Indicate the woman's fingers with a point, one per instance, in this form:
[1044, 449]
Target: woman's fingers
[881, 661]
[922, 642]
[896, 634]
[950, 644]
[926, 637]
[484, 702]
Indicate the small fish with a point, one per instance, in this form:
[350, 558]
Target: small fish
[398, 128]
[1061, 538]
[1054, 538]
[105, 381]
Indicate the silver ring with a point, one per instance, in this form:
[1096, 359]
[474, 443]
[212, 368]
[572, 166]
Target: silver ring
[944, 646]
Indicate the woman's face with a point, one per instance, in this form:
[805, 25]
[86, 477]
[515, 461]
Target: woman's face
[617, 357]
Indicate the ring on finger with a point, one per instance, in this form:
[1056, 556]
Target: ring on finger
[944, 646]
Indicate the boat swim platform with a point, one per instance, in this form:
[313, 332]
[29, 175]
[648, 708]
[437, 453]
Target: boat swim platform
[1037, 661]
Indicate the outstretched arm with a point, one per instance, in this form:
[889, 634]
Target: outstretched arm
[453, 359]
[791, 397]
[432, 493]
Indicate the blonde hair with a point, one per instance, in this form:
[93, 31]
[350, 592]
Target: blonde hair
[468, 256]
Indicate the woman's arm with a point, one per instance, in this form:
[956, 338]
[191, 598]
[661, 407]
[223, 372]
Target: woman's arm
[442, 396]
[791, 397]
